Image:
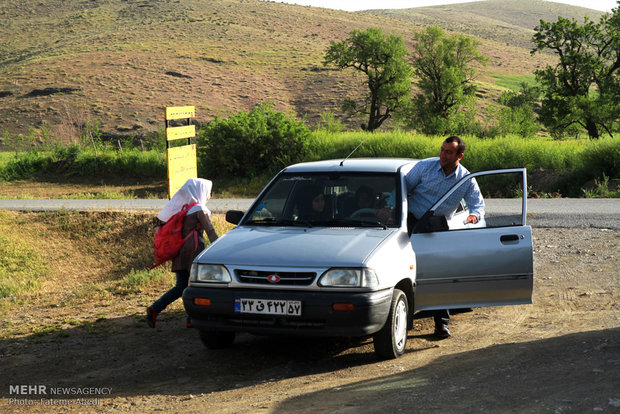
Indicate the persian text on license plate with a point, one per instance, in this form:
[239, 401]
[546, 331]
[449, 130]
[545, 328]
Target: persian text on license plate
[268, 306]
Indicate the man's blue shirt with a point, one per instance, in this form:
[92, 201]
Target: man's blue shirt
[426, 183]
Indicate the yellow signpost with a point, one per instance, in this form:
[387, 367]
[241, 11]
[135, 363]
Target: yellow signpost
[181, 160]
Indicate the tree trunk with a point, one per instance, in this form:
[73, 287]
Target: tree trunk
[372, 118]
[592, 128]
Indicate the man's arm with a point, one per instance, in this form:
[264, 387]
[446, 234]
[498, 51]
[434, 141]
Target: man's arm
[475, 202]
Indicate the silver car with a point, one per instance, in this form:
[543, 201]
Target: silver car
[326, 250]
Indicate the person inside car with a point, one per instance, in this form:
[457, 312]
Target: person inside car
[311, 205]
[364, 199]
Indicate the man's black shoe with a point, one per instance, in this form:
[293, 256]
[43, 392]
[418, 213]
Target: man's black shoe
[442, 332]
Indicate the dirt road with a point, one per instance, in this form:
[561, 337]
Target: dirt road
[559, 355]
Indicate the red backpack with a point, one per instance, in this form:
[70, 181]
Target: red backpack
[168, 238]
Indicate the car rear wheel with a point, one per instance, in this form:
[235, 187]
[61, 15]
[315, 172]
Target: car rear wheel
[391, 340]
[217, 339]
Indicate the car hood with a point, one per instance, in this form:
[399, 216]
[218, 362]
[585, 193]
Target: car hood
[299, 247]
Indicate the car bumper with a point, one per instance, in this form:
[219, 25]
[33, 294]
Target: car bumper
[318, 318]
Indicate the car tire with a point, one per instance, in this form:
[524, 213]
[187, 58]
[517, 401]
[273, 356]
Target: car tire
[217, 339]
[391, 340]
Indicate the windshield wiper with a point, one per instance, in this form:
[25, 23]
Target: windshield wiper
[272, 221]
[355, 223]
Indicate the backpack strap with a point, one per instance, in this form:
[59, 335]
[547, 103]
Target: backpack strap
[188, 206]
[195, 234]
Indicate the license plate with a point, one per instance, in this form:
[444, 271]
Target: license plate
[268, 306]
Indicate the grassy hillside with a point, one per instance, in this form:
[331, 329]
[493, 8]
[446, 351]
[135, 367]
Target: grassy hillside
[508, 21]
[59, 263]
[63, 62]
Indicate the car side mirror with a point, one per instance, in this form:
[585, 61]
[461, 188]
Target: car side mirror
[234, 216]
[430, 223]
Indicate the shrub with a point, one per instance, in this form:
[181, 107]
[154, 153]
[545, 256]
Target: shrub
[26, 165]
[329, 123]
[461, 121]
[252, 143]
[518, 116]
[518, 120]
[602, 157]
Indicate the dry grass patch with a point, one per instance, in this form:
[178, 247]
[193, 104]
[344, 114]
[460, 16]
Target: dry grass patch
[20, 266]
[90, 267]
[83, 188]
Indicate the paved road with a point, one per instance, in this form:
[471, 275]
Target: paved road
[557, 212]
[215, 205]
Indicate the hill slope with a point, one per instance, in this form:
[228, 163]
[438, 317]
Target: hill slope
[63, 62]
[509, 21]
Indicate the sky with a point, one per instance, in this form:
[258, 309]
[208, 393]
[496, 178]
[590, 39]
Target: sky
[354, 5]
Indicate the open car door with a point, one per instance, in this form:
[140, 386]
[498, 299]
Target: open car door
[490, 263]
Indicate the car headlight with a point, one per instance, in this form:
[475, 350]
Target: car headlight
[349, 278]
[209, 273]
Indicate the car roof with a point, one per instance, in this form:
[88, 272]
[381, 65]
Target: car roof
[352, 165]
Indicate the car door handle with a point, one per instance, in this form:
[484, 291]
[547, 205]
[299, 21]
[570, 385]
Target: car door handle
[508, 238]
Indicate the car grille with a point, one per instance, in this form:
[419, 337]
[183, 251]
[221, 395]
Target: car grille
[283, 278]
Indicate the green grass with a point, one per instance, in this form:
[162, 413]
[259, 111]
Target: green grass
[481, 154]
[601, 189]
[572, 162]
[513, 82]
[396, 144]
[76, 161]
[109, 194]
[5, 157]
[230, 187]
[20, 266]
[136, 280]
[569, 164]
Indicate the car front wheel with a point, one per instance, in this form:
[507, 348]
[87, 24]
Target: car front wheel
[390, 341]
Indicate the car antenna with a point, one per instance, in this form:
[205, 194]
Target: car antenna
[354, 149]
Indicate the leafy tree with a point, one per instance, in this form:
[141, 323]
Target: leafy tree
[527, 95]
[518, 115]
[583, 89]
[443, 66]
[382, 58]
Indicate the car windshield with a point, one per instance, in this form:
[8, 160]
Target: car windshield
[329, 200]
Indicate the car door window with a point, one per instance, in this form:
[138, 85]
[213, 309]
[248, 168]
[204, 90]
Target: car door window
[502, 193]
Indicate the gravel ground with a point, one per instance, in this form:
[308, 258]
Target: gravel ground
[559, 355]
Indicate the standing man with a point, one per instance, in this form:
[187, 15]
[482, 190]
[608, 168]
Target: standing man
[430, 179]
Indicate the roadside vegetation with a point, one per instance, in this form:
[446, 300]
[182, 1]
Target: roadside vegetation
[66, 259]
[571, 167]
[20, 266]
